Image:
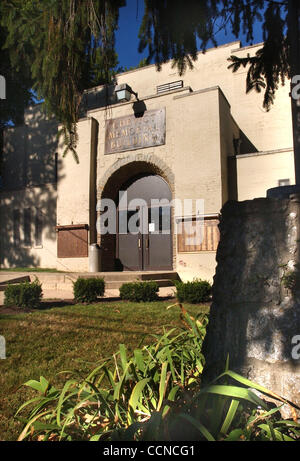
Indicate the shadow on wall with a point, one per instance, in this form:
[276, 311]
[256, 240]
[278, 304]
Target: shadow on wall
[98, 97]
[29, 152]
[28, 194]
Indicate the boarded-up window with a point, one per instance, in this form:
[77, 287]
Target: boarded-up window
[16, 227]
[27, 227]
[196, 234]
[72, 241]
[38, 228]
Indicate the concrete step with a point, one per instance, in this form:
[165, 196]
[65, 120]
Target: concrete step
[13, 281]
[113, 280]
[111, 284]
[57, 277]
[117, 284]
[128, 276]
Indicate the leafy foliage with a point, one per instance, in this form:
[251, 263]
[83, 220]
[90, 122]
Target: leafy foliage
[291, 278]
[87, 290]
[18, 93]
[156, 394]
[67, 46]
[18, 84]
[25, 295]
[122, 391]
[270, 65]
[167, 38]
[139, 291]
[143, 62]
[194, 292]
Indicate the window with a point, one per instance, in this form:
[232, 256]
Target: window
[129, 221]
[38, 228]
[159, 220]
[194, 234]
[27, 227]
[16, 227]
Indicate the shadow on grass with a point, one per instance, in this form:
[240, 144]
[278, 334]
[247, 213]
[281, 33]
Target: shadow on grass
[45, 305]
[49, 304]
[53, 303]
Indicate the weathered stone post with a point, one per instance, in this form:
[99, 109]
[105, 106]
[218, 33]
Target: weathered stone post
[255, 314]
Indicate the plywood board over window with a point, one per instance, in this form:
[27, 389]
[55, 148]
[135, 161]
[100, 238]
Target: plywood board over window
[72, 241]
[197, 234]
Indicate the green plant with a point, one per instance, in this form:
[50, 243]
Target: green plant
[194, 292]
[291, 278]
[220, 412]
[156, 394]
[87, 290]
[43, 355]
[122, 391]
[25, 294]
[139, 291]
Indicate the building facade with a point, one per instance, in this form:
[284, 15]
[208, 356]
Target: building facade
[197, 140]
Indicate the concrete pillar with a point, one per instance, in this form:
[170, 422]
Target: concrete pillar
[255, 314]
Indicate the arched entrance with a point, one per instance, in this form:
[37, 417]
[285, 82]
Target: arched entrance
[143, 240]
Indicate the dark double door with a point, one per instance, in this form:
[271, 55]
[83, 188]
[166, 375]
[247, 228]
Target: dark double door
[144, 240]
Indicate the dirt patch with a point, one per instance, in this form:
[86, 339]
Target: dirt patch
[51, 303]
[45, 305]
[12, 310]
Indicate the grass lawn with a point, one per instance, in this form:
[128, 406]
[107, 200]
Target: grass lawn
[71, 337]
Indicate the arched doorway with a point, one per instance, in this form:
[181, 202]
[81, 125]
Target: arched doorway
[150, 246]
[144, 236]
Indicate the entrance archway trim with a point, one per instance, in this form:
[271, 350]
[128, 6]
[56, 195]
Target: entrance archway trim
[159, 166]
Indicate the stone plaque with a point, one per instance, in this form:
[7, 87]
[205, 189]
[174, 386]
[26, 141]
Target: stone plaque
[131, 132]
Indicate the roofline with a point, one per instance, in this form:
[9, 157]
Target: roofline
[213, 48]
[247, 47]
[224, 45]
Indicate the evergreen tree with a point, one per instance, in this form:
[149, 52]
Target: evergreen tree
[167, 38]
[68, 45]
[143, 62]
[18, 84]
[17, 88]
[171, 29]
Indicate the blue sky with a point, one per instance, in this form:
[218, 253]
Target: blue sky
[127, 35]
